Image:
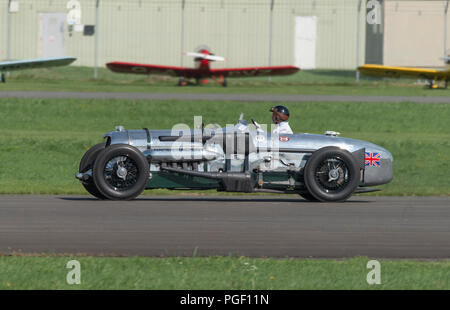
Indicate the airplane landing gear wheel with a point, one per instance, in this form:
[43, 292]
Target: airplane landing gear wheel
[433, 85]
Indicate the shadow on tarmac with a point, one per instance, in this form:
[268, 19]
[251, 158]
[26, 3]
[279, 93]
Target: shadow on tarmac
[214, 199]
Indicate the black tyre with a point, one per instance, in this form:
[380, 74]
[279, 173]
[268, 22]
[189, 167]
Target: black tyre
[86, 163]
[121, 172]
[331, 174]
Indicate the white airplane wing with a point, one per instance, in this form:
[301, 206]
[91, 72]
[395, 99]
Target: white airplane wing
[35, 63]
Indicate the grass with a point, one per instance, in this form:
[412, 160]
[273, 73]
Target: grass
[42, 141]
[225, 273]
[331, 82]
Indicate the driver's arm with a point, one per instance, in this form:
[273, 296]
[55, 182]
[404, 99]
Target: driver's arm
[258, 126]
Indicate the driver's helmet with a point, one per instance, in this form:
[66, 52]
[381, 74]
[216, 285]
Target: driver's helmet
[279, 113]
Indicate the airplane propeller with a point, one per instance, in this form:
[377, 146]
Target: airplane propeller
[205, 56]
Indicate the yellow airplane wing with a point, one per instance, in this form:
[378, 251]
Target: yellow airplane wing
[396, 72]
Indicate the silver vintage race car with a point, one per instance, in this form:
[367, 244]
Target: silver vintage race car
[233, 159]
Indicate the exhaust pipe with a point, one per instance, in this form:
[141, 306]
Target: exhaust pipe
[231, 181]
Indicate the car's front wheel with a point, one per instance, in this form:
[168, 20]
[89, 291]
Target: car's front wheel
[87, 163]
[121, 172]
[331, 174]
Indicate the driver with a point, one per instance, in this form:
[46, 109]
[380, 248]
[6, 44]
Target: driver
[280, 116]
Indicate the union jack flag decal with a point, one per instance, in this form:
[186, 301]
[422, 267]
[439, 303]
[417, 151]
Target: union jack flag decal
[372, 159]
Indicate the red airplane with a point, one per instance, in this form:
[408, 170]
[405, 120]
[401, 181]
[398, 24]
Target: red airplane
[202, 71]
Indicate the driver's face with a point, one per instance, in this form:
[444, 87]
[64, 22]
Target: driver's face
[275, 119]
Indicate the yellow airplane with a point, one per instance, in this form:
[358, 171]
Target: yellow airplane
[432, 76]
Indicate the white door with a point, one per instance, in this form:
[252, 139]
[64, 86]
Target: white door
[52, 34]
[305, 41]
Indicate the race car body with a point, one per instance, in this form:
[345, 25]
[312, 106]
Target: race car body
[235, 159]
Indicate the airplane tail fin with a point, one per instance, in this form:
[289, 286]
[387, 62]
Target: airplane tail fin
[446, 60]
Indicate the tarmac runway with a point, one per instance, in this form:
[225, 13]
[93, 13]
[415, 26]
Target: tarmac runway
[256, 226]
[221, 97]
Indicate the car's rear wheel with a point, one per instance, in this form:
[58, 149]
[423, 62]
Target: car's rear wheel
[331, 174]
[86, 163]
[121, 172]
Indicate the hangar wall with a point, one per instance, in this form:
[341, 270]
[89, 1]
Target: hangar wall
[150, 31]
[3, 29]
[414, 33]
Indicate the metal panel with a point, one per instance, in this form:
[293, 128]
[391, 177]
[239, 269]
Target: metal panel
[414, 33]
[3, 29]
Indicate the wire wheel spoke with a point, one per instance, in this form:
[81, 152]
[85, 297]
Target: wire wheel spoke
[121, 173]
[332, 175]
